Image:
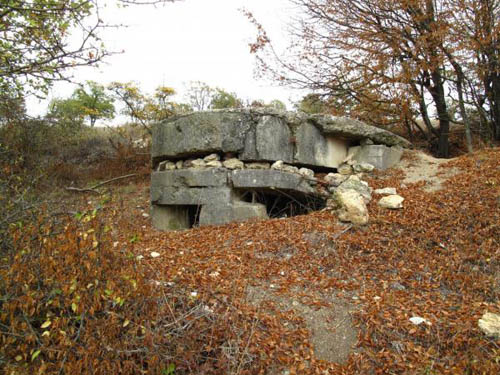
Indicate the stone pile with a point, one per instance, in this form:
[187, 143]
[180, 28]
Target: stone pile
[208, 164]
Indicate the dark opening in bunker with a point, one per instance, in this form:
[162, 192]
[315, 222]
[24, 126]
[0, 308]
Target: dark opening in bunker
[193, 213]
[283, 204]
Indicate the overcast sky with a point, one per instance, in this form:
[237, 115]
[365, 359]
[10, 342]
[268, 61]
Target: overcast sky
[191, 40]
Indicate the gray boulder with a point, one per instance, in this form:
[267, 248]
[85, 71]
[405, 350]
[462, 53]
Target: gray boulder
[335, 179]
[352, 207]
[354, 183]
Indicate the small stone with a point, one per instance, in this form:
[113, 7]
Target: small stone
[187, 163]
[179, 164]
[335, 179]
[233, 164]
[417, 320]
[166, 166]
[211, 157]
[306, 172]
[115, 244]
[490, 324]
[258, 166]
[397, 286]
[344, 169]
[392, 202]
[363, 167]
[161, 166]
[290, 169]
[154, 254]
[278, 165]
[198, 164]
[386, 191]
[213, 164]
[145, 214]
[139, 257]
[170, 166]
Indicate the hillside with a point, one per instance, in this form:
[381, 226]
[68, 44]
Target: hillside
[299, 295]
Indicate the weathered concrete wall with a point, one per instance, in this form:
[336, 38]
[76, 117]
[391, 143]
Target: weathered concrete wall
[205, 160]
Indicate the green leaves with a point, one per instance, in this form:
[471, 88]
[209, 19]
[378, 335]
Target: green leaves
[33, 42]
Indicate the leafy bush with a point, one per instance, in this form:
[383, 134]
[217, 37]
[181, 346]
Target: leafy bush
[73, 303]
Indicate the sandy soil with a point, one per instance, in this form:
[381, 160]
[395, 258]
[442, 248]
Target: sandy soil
[419, 166]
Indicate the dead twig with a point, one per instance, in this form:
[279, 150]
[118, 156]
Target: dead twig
[92, 189]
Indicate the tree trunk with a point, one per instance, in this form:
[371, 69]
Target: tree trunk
[463, 113]
[494, 99]
[437, 92]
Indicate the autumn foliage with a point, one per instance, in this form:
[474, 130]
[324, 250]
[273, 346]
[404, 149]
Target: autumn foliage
[395, 62]
[101, 292]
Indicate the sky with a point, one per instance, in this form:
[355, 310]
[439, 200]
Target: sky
[190, 40]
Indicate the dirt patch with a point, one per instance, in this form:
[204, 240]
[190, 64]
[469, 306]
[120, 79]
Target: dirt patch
[419, 166]
[333, 335]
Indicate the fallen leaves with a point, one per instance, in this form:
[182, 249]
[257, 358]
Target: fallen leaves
[419, 280]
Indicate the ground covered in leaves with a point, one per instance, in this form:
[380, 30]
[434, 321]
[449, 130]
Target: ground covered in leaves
[310, 295]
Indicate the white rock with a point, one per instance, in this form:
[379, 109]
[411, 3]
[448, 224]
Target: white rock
[344, 169]
[166, 166]
[352, 207]
[233, 163]
[392, 202]
[198, 163]
[187, 163]
[211, 157]
[417, 320]
[290, 169]
[277, 165]
[354, 183]
[139, 257]
[154, 254]
[335, 179]
[179, 164]
[214, 164]
[258, 166]
[363, 167]
[490, 324]
[145, 214]
[386, 191]
[306, 172]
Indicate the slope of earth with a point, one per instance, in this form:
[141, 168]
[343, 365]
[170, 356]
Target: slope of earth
[310, 295]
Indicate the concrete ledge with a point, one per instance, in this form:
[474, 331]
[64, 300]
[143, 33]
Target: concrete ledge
[190, 178]
[227, 213]
[172, 195]
[270, 179]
